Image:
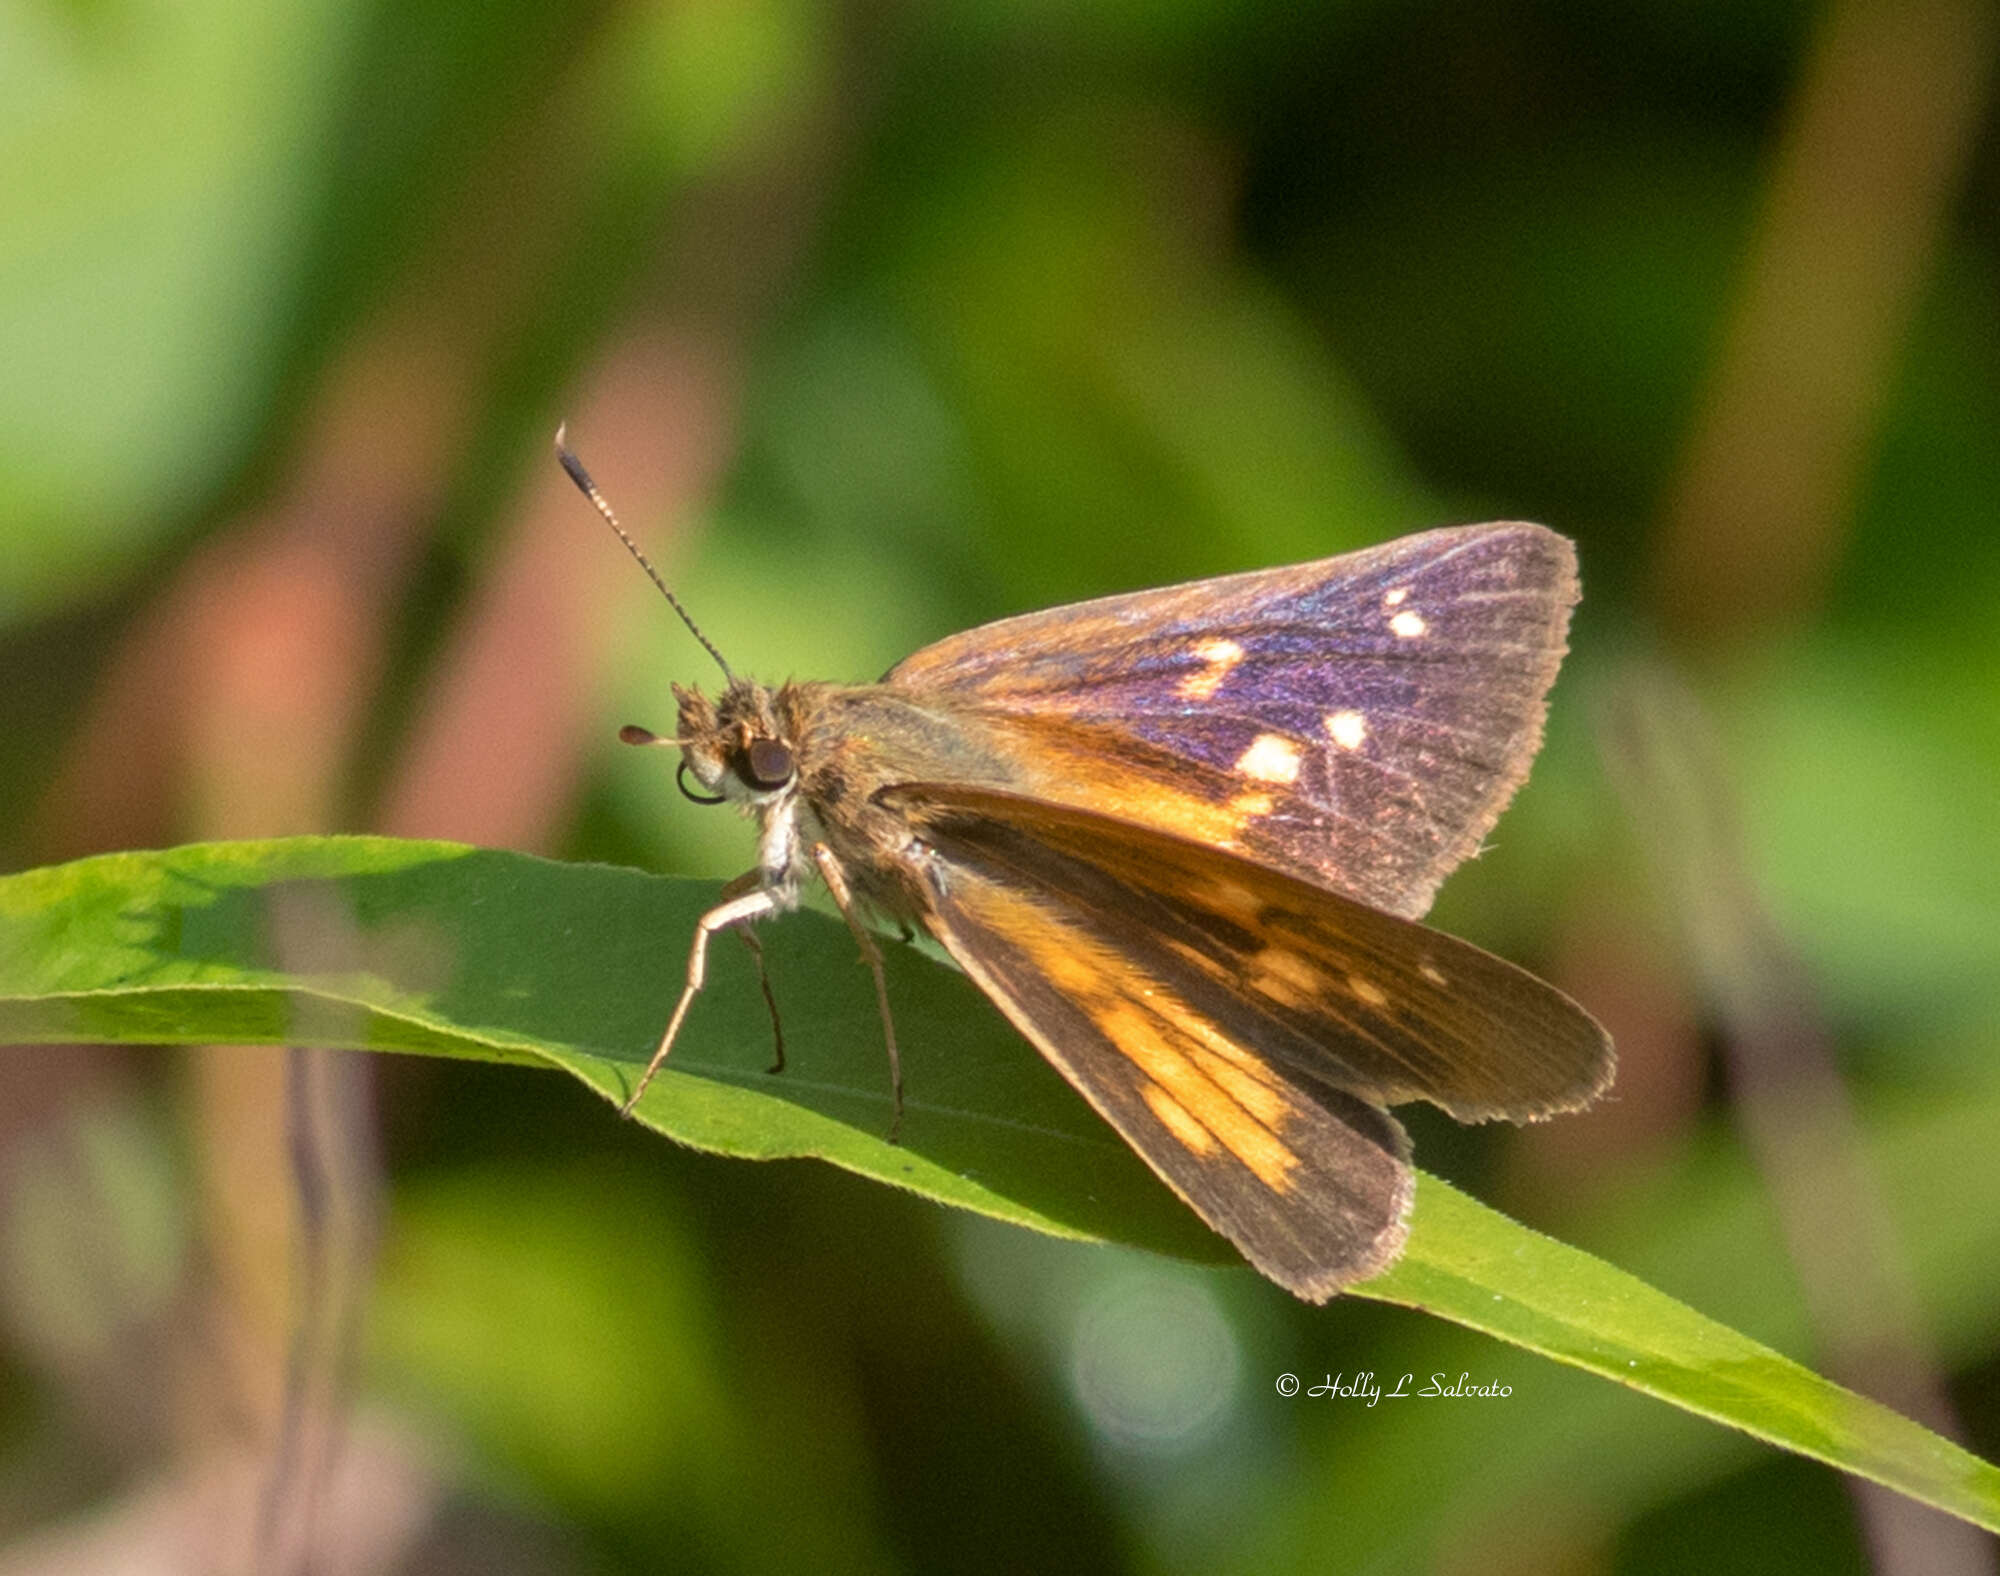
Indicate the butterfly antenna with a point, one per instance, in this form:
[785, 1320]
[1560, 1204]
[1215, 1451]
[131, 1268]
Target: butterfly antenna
[588, 488]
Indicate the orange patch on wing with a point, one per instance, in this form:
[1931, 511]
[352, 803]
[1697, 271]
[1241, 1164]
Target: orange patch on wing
[1264, 1097]
[1206, 1089]
[1217, 1044]
[1230, 897]
[1140, 1038]
[1068, 961]
[1188, 1133]
[1151, 803]
[1241, 1073]
[1073, 768]
[1286, 976]
[1368, 991]
[1269, 1106]
[1246, 807]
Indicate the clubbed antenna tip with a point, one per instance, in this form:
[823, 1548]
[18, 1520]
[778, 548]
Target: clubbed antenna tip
[584, 485]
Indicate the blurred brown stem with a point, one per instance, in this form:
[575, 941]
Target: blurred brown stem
[1789, 1100]
[1871, 157]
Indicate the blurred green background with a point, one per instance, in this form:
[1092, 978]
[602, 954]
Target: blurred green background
[877, 320]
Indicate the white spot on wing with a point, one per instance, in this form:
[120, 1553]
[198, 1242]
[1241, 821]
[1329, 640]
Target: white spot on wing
[1407, 625]
[1271, 758]
[1395, 598]
[1347, 729]
[1218, 658]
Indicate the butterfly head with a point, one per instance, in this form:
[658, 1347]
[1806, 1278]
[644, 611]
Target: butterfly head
[734, 746]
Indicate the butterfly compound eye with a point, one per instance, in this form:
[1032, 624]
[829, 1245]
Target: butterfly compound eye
[767, 764]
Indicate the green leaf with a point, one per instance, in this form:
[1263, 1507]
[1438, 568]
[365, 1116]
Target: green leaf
[1471, 1264]
[371, 943]
[376, 944]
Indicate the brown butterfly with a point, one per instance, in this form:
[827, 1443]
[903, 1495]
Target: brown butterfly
[1181, 838]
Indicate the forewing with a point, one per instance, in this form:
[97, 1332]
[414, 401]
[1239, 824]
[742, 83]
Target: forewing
[1361, 720]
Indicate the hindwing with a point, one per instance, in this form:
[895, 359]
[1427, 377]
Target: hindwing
[1242, 1029]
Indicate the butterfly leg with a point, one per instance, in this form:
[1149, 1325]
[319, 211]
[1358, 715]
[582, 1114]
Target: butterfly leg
[843, 898]
[737, 910]
[770, 1001]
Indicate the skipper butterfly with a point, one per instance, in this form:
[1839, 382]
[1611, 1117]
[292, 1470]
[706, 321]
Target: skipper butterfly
[1182, 839]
